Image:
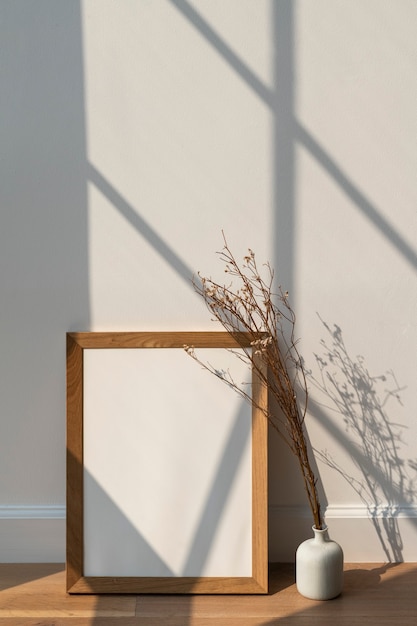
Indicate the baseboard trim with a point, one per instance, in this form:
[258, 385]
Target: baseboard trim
[366, 534]
[302, 512]
[376, 512]
[32, 534]
[32, 512]
[36, 534]
[348, 511]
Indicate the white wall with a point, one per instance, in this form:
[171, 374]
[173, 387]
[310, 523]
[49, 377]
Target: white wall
[131, 134]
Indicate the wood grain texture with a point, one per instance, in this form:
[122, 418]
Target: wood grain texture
[77, 583]
[259, 474]
[174, 585]
[161, 339]
[74, 495]
[373, 595]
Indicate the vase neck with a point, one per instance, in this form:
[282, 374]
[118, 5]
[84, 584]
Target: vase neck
[321, 535]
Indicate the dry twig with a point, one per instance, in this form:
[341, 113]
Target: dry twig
[267, 316]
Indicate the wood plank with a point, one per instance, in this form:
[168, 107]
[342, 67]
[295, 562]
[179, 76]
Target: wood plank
[369, 591]
[301, 620]
[35, 591]
[373, 595]
[294, 620]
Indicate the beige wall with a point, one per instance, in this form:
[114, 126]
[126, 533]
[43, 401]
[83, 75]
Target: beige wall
[132, 134]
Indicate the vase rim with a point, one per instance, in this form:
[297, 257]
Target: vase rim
[320, 530]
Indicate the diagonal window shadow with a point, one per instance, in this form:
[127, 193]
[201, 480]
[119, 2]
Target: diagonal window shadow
[225, 51]
[219, 492]
[103, 551]
[142, 227]
[359, 199]
[278, 100]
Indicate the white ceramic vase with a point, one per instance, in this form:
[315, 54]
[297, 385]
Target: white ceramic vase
[319, 567]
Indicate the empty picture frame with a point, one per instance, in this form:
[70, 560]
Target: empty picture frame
[166, 466]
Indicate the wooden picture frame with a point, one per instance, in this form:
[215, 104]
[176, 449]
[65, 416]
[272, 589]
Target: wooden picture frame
[83, 344]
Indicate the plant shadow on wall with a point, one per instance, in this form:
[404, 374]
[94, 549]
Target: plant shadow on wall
[386, 482]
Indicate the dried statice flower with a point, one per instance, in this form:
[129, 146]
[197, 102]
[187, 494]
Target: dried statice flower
[254, 307]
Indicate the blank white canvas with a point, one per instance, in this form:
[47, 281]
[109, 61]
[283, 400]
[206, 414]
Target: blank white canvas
[167, 465]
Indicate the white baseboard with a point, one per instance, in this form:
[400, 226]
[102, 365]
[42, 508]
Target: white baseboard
[32, 512]
[31, 534]
[366, 512]
[367, 535]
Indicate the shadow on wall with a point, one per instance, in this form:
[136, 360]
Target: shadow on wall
[280, 100]
[43, 238]
[385, 483]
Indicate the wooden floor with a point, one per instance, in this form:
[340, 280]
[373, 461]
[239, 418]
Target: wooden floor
[380, 595]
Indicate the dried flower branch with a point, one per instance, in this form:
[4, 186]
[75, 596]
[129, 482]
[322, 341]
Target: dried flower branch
[267, 316]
